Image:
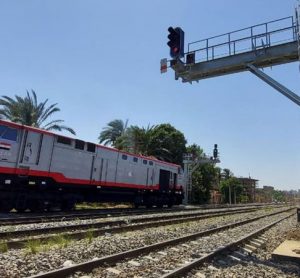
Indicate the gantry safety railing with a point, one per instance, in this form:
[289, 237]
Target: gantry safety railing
[256, 37]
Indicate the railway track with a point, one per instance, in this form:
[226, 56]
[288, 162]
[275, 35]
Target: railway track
[247, 243]
[175, 257]
[18, 219]
[114, 226]
[64, 225]
[28, 218]
[252, 257]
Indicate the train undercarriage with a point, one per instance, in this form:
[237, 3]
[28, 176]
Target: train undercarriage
[44, 194]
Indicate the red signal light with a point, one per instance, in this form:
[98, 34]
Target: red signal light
[176, 42]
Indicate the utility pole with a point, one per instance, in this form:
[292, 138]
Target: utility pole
[229, 194]
[234, 194]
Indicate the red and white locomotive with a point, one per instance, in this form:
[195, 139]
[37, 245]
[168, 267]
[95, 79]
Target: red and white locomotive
[41, 170]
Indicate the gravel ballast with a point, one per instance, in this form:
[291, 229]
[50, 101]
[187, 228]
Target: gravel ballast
[23, 263]
[258, 264]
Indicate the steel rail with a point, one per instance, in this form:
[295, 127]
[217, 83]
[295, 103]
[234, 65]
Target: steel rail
[93, 213]
[118, 228]
[90, 265]
[17, 219]
[61, 229]
[181, 271]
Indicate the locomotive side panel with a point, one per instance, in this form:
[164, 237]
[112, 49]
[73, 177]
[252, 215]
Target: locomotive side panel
[125, 174]
[133, 167]
[35, 152]
[132, 171]
[150, 176]
[70, 165]
[108, 166]
[143, 171]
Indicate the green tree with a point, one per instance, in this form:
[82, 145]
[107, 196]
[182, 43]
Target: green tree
[203, 179]
[226, 173]
[204, 176]
[167, 143]
[233, 186]
[278, 196]
[28, 111]
[162, 141]
[112, 132]
[195, 150]
[136, 140]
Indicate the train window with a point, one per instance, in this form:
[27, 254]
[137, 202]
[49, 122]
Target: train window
[144, 161]
[10, 134]
[64, 140]
[124, 156]
[79, 144]
[151, 163]
[91, 147]
[135, 159]
[2, 129]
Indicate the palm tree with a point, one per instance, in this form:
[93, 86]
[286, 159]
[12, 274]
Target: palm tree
[27, 111]
[136, 140]
[112, 131]
[227, 173]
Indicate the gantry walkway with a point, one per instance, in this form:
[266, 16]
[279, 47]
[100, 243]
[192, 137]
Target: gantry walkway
[263, 45]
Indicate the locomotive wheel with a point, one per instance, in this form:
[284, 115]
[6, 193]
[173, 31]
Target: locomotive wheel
[5, 206]
[21, 203]
[34, 206]
[67, 205]
[20, 210]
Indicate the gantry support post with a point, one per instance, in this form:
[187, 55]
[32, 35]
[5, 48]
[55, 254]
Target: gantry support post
[189, 167]
[273, 83]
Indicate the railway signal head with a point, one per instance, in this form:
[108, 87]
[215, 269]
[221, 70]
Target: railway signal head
[176, 42]
[216, 152]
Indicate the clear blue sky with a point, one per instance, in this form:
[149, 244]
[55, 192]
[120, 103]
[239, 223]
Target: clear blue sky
[100, 61]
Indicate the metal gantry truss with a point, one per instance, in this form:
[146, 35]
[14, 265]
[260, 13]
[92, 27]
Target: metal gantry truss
[190, 165]
[263, 45]
[297, 15]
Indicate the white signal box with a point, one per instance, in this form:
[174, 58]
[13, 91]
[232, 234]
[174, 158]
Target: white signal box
[163, 65]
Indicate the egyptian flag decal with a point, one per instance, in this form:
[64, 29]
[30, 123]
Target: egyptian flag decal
[5, 146]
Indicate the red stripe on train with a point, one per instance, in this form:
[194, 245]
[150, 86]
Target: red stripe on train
[61, 178]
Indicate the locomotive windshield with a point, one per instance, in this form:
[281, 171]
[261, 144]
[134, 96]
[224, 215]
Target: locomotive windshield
[8, 133]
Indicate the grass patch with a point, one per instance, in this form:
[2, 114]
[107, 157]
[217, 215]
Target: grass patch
[60, 241]
[3, 247]
[33, 246]
[90, 236]
[268, 209]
